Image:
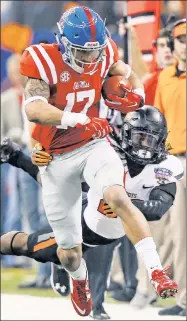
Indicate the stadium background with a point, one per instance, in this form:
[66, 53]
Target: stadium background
[28, 22]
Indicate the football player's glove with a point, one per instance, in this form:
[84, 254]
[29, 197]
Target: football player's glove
[8, 149]
[39, 157]
[96, 128]
[130, 102]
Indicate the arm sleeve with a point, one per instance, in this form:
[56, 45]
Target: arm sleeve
[21, 160]
[160, 200]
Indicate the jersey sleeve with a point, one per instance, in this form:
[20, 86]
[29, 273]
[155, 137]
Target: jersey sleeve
[37, 61]
[114, 48]
[169, 171]
[28, 67]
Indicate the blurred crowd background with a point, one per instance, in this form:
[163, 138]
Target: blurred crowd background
[142, 41]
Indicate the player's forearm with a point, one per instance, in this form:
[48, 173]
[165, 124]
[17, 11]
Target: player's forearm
[38, 110]
[21, 160]
[121, 69]
[43, 113]
[135, 81]
[153, 210]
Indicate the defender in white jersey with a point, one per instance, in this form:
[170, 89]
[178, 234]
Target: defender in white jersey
[139, 188]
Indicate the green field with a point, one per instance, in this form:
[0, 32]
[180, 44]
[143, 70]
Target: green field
[10, 278]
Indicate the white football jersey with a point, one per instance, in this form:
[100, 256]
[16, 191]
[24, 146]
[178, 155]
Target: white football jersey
[139, 187]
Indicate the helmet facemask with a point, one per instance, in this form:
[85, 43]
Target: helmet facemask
[81, 58]
[143, 146]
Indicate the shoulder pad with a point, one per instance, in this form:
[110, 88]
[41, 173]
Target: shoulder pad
[173, 167]
[37, 62]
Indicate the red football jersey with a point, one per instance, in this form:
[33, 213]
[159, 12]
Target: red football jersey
[70, 91]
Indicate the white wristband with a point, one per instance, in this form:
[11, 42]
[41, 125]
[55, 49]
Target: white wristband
[72, 119]
[139, 91]
[31, 99]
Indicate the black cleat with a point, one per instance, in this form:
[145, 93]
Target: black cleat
[59, 280]
[8, 149]
[99, 314]
[175, 310]
[124, 295]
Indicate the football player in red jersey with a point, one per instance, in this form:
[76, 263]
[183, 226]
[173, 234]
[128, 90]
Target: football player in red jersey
[61, 96]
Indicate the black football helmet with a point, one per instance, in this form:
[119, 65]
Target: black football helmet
[143, 135]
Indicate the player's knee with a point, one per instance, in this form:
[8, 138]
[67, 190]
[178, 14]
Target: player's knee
[70, 259]
[116, 198]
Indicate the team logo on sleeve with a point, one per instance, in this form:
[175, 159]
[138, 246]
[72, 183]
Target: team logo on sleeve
[162, 175]
[65, 76]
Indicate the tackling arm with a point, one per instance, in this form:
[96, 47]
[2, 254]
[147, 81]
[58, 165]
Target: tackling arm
[160, 200]
[11, 153]
[24, 162]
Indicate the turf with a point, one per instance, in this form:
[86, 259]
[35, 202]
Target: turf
[10, 278]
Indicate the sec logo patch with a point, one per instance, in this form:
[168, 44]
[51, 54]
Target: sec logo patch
[65, 76]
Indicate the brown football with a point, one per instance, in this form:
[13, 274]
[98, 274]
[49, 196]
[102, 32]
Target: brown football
[112, 86]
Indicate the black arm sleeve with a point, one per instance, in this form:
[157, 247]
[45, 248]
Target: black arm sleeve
[24, 162]
[160, 200]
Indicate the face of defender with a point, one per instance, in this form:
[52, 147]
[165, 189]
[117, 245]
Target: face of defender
[143, 144]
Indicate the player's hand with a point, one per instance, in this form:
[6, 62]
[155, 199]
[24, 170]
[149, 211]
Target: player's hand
[39, 157]
[107, 211]
[96, 128]
[8, 149]
[130, 102]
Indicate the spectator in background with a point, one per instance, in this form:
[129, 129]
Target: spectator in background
[164, 59]
[162, 56]
[171, 101]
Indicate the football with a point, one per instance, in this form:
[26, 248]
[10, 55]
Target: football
[112, 86]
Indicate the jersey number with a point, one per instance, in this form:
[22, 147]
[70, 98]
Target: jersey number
[104, 209]
[73, 98]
